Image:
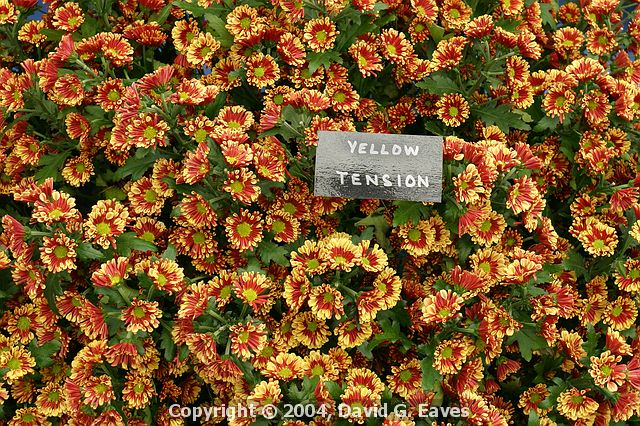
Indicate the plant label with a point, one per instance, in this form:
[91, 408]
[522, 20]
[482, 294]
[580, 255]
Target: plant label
[376, 165]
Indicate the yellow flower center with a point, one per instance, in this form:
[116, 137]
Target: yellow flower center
[103, 228]
[60, 252]
[243, 229]
[250, 295]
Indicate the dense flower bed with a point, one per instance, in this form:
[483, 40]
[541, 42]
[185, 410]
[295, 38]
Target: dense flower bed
[161, 243]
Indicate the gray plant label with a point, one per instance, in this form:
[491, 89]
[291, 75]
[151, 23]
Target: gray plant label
[376, 165]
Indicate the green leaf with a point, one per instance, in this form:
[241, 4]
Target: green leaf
[170, 252]
[128, 241]
[166, 341]
[438, 84]
[436, 31]
[52, 289]
[534, 420]
[162, 15]
[51, 165]
[322, 59]
[430, 376]
[137, 165]
[529, 340]
[575, 262]
[85, 251]
[196, 11]
[52, 35]
[500, 115]
[546, 123]
[409, 211]
[272, 252]
[42, 354]
[380, 227]
[221, 33]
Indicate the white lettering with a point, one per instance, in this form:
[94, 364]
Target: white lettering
[373, 150]
[355, 179]
[383, 150]
[423, 181]
[396, 150]
[342, 175]
[386, 181]
[409, 181]
[363, 148]
[371, 179]
[411, 150]
[352, 145]
[173, 413]
[455, 411]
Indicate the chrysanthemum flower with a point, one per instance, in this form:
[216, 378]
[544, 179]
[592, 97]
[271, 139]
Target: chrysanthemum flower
[78, 170]
[296, 290]
[244, 229]
[479, 27]
[183, 33]
[198, 243]
[244, 23]
[455, 14]
[262, 70]
[405, 378]
[418, 239]
[141, 315]
[253, 289]
[98, 391]
[59, 207]
[452, 109]
[138, 390]
[247, 339]
[197, 212]
[146, 34]
[51, 400]
[341, 252]
[574, 404]
[309, 330]
[320, 34]
[8, 13]
[68, 17]
[112, 272]
[630, 279]
[326, 302]
[448, 53]
[148, 130]
[58, 253]
[468, 185]
[596, 107]
[394, 46]
[196, 165]
[601, 41]
[371, 259]
[367, 58]
[166, 275]
[68, 90]
[369, 303]
[343, 97]
[201, 49]
[451, 354]
[607, 371]
[241, 184]
[357, 399]
[291, 50]
[558, 101]
[441, 306]
[107, 220]
[621, 313]
[265, 392]
[352, 333]
[285, 366]
[321, 365]
[598, 238]
[283, 225]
